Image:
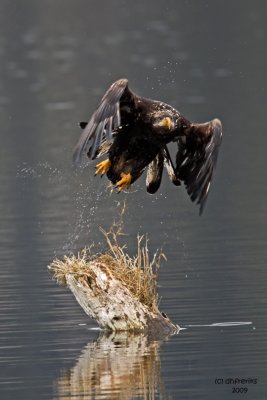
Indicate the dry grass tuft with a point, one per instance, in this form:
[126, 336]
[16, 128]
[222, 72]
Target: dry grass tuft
[138, 273]
[74, 265]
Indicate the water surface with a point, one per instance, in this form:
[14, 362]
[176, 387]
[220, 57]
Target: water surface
[204, 58]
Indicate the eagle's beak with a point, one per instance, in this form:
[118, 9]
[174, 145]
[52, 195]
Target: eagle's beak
[166, 122]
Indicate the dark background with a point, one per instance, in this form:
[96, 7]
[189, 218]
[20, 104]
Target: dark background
[206, 58]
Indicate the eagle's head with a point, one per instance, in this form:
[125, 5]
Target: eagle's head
[163, 122]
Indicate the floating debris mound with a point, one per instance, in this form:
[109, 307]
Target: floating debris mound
[117, 290]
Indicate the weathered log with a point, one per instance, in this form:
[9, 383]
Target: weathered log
[118, 291]
[108, 301]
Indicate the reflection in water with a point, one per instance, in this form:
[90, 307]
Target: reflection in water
[218, 324]
[115, 366]
[56, 57]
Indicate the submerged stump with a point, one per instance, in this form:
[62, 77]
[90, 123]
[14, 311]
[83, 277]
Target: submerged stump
[113, 306]
[118, 291]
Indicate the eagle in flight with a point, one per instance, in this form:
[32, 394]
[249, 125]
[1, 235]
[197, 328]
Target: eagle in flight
[135, 131]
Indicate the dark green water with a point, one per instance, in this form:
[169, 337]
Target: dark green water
[206, 58]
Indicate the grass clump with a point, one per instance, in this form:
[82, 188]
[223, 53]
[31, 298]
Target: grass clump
[138, 273]
[77, 266]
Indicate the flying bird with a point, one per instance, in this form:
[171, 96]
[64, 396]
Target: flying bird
[134, 131]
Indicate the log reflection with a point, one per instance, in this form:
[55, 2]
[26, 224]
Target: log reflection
[116, 366]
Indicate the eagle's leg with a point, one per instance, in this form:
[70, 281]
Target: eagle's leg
[103, 167]
[124, 182]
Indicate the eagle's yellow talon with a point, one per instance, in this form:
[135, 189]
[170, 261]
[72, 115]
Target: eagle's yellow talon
[125, 182]
[103, 167]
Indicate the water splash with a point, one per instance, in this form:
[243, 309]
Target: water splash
[41, 170]
[63, 186]
[84, 213]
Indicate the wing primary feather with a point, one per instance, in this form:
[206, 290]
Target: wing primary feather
[109, 129]
[106, 116]
[98, 138]
[117, 119]
[196, 159]
[83, 141]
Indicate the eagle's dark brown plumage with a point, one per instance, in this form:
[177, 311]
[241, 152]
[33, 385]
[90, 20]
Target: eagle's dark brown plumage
[135, 131]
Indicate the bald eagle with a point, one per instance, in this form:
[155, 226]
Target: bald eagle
[134, 132]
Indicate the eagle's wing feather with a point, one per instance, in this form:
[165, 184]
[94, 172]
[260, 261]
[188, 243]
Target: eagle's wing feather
[168, 164]
[104, 121]
[155, 170]
[154, 173]
[196, 159]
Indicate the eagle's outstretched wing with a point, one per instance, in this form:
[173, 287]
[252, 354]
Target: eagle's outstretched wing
[196, 159]
[104, 120]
